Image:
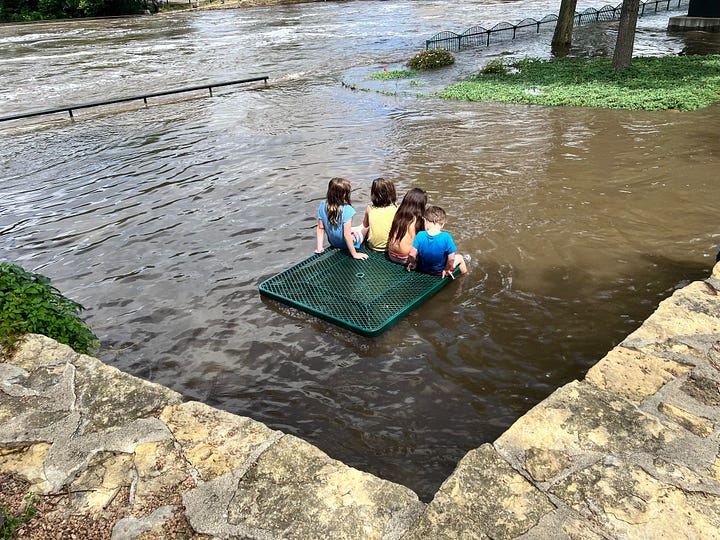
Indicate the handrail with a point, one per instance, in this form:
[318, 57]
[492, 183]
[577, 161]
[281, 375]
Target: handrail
[144, 97]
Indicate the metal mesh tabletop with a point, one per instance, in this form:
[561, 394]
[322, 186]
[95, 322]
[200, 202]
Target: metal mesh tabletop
[367, 297]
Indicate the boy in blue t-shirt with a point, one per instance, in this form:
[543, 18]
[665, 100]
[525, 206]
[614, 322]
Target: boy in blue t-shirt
[433, 250]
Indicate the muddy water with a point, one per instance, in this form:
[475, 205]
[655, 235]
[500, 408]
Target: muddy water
[163, 220]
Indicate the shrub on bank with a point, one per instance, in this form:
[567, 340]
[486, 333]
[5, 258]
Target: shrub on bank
[431, 59]
[29, 304]
[650, 83]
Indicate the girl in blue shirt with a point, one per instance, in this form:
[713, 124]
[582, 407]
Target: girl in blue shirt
[335, 220]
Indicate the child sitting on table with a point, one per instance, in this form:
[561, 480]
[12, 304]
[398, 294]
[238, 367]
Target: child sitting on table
[379, 215]
[406, 224]
[335, 219]
[433, 250]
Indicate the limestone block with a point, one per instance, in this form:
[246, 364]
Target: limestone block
[545, 464]
[110, 397]
[715, 469]
[213, 441]
[702, 427]
[98, 484]
[72, 452]
[630, 503]
[36, 399]
[692, 310]
[484, 497]
[702, 389]
[563, 524]
[131, 528]
[583, 422]
[28, 463]
[633, 374]
[161, 473]
[294, 490]
[36, 350]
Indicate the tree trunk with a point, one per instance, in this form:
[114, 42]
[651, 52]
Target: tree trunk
[562, 38]
[622, 57]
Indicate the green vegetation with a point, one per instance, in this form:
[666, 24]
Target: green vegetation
[10, 523]
[431, 59]
[496, 65]
[29, 304]
[394, 74]
[33, 10]
[650, 83]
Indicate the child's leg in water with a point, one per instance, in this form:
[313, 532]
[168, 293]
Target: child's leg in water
[460, 261]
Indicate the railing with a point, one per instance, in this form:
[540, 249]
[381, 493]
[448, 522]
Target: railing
[70, 108]
[504, 31]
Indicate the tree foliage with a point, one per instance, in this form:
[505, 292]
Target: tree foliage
[30, 10]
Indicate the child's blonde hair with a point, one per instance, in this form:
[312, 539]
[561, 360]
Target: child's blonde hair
[338, 195]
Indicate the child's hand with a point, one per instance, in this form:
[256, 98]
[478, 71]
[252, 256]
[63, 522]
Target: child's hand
[412, 264]
[360, 256]
[319, 251]
[448, 273]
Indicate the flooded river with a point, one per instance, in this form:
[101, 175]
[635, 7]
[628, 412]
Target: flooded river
[163, 220]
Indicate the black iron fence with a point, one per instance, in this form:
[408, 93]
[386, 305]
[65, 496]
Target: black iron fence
[478, 36]
[70, 108]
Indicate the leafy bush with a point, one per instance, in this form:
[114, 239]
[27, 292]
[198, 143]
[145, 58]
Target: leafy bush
[431, 59]
[496, 65]
[29, 304]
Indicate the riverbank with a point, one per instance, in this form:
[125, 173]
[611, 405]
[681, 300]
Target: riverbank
[632, 451]
[682, 83]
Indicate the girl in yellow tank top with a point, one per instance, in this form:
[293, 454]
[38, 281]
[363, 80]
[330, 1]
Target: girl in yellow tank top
[379, 215]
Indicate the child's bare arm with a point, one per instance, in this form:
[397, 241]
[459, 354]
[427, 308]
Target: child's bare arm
[412, 259]
[449, 266]
[366, 219]
[320, 233]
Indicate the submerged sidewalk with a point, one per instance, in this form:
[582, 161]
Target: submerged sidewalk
[632, 451]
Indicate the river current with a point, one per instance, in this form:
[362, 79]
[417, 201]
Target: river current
[162, 220]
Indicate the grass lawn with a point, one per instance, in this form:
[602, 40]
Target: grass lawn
[683, 83]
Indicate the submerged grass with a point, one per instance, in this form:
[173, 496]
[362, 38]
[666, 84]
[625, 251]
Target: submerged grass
[651, 83]
[394, 74]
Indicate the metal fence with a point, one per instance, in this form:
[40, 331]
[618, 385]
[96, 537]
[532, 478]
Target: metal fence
[477, 36]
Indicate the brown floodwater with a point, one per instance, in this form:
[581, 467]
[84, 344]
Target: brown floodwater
[163, 220]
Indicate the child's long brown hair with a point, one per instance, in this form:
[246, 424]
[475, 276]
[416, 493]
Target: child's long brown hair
[412, 206]
[382, 193]
[338, 195]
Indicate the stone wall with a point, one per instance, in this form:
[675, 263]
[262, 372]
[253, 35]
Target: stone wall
[632, 451]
